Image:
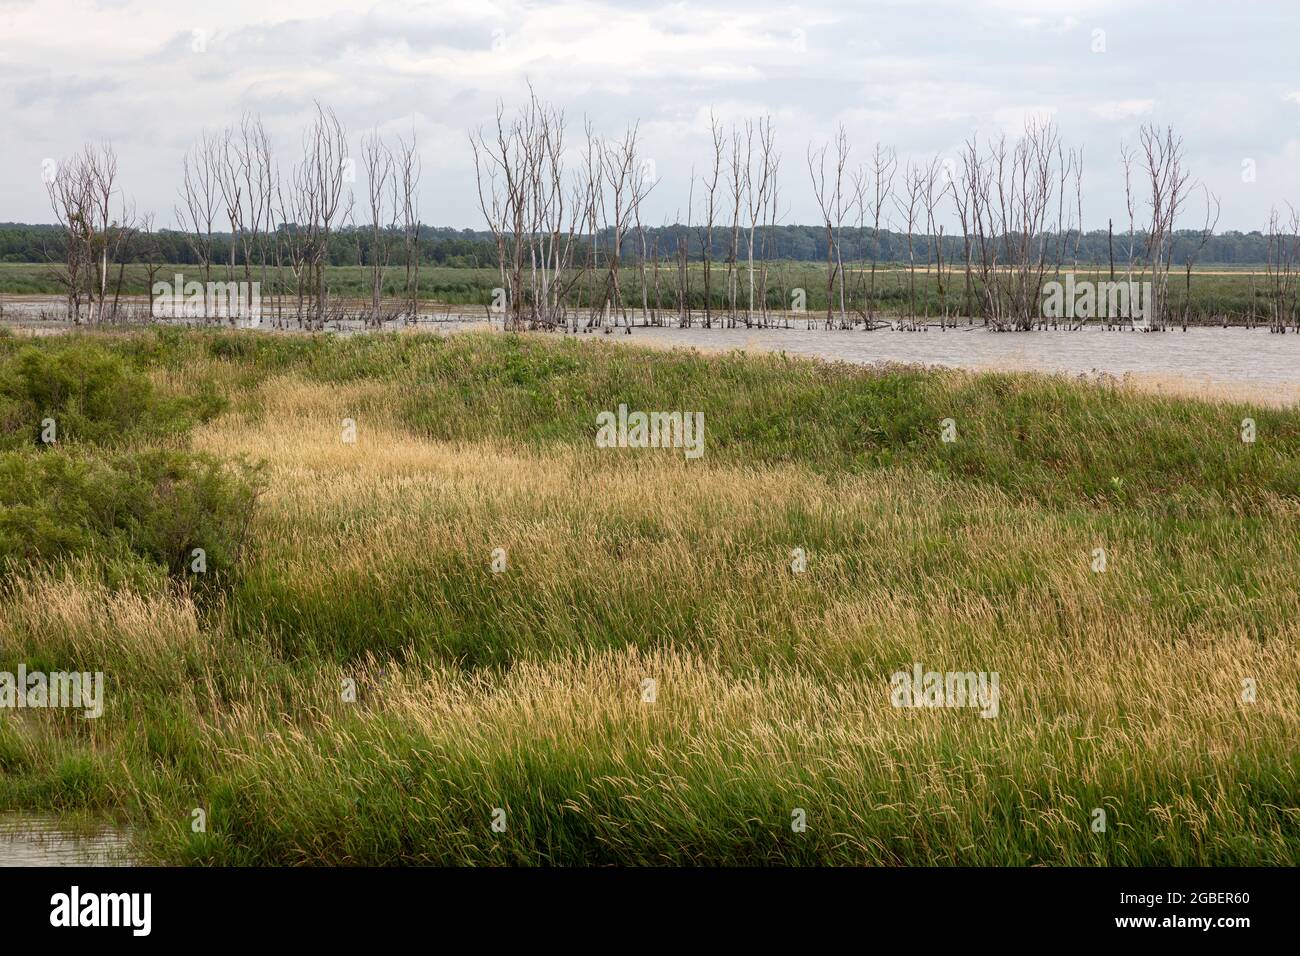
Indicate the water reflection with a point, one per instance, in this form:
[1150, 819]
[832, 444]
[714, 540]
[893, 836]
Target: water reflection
[41, 840]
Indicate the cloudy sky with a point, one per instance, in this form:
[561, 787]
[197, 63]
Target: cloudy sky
[149, 76]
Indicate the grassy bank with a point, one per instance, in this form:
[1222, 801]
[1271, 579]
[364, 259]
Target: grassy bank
[337, 566]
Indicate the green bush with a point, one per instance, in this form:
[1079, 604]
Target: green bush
[92, 394]
[157, 505]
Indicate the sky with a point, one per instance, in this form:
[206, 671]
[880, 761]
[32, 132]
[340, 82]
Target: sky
[923, 77]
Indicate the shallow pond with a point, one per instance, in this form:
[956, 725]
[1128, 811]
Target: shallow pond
[28, 839]
[1213, 355]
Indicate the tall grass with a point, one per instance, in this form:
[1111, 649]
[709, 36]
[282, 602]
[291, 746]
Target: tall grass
[522, 691]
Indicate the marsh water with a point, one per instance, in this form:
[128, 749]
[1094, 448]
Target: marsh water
[41, 840]
[1208, 356]
[1235, 361]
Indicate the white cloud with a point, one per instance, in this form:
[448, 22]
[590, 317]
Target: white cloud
[1050, 25]
[1013, 119]
[1118, 110]
[125, 70]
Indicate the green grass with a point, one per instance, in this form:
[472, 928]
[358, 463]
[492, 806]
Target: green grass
[369, 564]
[1041, 437]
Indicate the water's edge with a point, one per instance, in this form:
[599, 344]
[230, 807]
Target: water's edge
[1249, 366]
[37, 839]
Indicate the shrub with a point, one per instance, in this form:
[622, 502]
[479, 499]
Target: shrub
[92, 394]
[157, 505]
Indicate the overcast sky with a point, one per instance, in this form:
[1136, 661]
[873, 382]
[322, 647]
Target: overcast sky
[149, 76]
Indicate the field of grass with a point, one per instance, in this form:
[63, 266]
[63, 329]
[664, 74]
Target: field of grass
[442, 284]
[1216, 291]
[368, 565]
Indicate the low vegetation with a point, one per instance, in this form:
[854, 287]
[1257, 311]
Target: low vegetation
[354, 684]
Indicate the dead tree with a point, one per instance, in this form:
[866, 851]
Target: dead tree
[409, 169]
[933, 188]
[146, 247]
[961, 187]
[683, 256]
[534, 214]
[1168, 183]
[200, 200]
[831, 201]
[710, 184]
[874, 188]
[299, 218]
[758, 196]
[909, 204]
[245, 180]
[736, 182]
[625, 185]
[382, 197]
[326, 166]
[769, 231]
[70, 200]
[104, 234]
[1282, 262]
[1011, 195]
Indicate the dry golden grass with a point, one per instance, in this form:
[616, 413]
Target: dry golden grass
[1102, 695]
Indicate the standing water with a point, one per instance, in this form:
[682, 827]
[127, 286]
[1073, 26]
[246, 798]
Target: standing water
[1233, 361]
[39, 840]
[1248, 364]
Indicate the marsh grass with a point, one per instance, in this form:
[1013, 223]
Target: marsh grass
[369, 562]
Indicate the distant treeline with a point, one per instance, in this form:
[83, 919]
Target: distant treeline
[808, 244]
[20, 242]
[468, 247]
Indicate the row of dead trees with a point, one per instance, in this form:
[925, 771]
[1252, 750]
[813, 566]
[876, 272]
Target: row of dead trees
[275, 227]
[568, 228]
[281, 224]
[562, 234]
